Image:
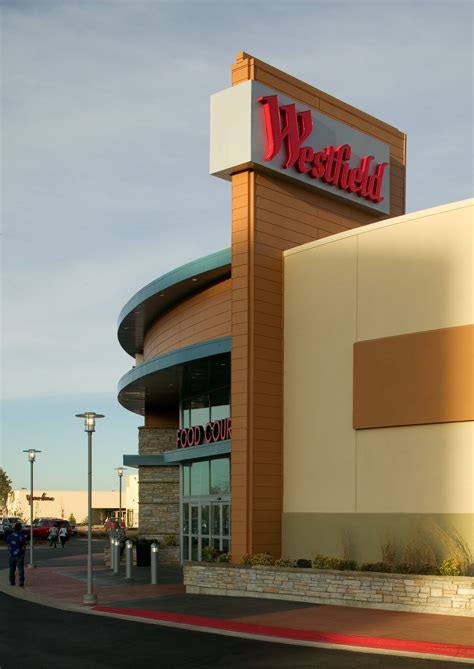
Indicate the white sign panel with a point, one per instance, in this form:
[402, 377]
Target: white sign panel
[251, 125]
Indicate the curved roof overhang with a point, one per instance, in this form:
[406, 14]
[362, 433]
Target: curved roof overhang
[166, 291]
[158, 380]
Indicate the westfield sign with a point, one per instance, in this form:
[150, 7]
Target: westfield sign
[252, 125]
[287, 130]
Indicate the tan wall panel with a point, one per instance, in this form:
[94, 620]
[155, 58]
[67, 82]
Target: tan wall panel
[419, 271]
[202, 317]
[319, 443]
[422, 469]
[425, 377]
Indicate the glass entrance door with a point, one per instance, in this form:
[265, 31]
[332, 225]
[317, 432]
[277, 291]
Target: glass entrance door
[205, 522]
[220, 526]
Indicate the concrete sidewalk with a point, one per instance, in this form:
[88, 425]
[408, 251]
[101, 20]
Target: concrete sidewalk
[62, 583]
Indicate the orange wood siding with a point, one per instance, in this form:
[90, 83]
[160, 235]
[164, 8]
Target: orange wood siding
[270, 215]
[200, 318]
[414, 379]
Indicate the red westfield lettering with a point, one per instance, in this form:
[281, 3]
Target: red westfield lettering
[214, 431]
[284, 125]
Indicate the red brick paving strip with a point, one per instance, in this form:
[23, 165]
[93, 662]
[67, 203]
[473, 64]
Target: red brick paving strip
[50, 582]
[422, 647]
[431, 627]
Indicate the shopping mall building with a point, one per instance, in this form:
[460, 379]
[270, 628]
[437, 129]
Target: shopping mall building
[310, 387]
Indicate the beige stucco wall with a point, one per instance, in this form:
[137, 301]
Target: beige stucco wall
[407, 274]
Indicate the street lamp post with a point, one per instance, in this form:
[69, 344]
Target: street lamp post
[120, 474]
[31, 457]
[89, 427]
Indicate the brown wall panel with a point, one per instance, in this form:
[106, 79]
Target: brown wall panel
[270, 215]
[413, 379]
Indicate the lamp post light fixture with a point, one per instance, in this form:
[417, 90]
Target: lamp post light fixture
[31, 459]
[89, 427]
[120, 471]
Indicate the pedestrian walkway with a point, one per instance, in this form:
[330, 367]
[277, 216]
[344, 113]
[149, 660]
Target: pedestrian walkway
[62, 584]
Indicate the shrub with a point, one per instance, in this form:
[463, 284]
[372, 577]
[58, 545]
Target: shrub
[262, 559]
[246, 559]
[303, 564]
[281, 562]
[347, 565]
[389, 551]
[375, 566]
[418, 553]
[451, 567]
[325, 562]
[453, 543]
[428, 569]
[224, 557]
[209, 554]
[404, 568]
[170, 540]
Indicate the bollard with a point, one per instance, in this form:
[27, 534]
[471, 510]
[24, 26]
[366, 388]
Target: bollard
[112, 553]
[154, 563]
[128, 559]
[116, 556]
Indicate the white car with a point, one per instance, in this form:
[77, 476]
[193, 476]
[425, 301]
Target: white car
[7, 524]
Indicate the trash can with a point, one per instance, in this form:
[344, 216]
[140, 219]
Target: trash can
[144, 553]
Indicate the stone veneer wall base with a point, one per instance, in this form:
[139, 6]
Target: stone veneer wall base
[448, 595]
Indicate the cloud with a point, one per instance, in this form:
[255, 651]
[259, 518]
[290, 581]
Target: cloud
[105, 146]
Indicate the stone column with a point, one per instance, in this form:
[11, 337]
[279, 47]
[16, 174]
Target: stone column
[158, 491]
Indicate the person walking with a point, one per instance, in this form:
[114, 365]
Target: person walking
[16, 555]
[62, 535]
[53, 536]
[118, 533]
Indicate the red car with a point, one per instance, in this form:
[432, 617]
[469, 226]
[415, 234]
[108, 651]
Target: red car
[42, 526]
[109, 524]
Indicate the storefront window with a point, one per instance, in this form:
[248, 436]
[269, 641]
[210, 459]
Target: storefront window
[199, 414]
[186, 480]
[220, 476]
[185, 414]
[200, 478]
[198, 376]
[220, 404]
[205, 390]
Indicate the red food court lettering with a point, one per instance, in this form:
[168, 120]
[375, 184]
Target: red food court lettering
[330, 165]
[215, 430]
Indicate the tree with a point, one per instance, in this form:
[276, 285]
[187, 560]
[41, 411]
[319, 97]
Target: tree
[5, 489]
[72, 519]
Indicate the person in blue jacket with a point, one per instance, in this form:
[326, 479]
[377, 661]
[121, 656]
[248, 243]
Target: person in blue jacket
[16, 555]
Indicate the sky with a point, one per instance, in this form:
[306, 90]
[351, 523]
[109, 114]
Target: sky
[105, 173]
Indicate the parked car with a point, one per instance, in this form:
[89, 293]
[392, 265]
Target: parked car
[109, 523]
[42, 526]
[7, 525]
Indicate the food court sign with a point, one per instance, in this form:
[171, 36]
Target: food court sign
[253, 125]
[211, 433]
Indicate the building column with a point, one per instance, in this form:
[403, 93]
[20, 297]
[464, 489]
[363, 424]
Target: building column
[158, 487]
